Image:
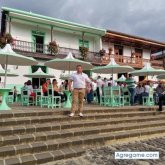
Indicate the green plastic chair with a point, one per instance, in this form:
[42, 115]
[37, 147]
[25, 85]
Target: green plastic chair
[53, 101]
[126, 96]
[116, 98]
[149, 100]
[39, 95]
[10, 97]
[95, 100]
[106, 97]
[25, 98]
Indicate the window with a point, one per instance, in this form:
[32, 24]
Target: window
[118, 50]
[86, 43]
[138, 53]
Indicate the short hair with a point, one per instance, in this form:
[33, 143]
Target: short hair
[54, 80]
[29, 82]
[79, 66]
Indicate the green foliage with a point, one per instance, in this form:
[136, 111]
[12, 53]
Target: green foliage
[53, 47]
[84, 52]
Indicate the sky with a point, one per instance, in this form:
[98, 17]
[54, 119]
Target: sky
[144, 18]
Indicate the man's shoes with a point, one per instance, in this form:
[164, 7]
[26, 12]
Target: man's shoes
[71, 114]
[80, 114]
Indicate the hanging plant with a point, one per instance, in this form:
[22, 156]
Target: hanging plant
[53, 47]
[84, 52]
[6, 39]
[102, 52]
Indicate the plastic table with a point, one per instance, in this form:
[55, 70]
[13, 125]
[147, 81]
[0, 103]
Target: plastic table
[67, 103]
[4, 92]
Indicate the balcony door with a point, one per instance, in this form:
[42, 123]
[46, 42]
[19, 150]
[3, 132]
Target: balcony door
[38, 40]
[138, 53]
[118, 50]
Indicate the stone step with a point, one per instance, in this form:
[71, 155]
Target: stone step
[58, 144]
[44, 157]
[56, 126]
[49, 135]
[28, 112]
[58, 118]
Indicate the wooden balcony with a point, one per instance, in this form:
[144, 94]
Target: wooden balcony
[40, 51]
[120, 59]
[137, 63]
[157, 64]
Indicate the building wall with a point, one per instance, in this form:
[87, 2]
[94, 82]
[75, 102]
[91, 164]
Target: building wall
[127, 51]
[107, 45]
[146, 54]
[23, 32]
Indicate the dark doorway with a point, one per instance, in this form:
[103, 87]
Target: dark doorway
[141, 78]
[39, 43]
[120, 74]
[35, 81]
[118, 50]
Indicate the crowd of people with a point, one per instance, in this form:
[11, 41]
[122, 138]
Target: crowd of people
[48, 88]
[89, 88]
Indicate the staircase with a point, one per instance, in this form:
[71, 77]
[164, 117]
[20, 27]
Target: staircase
[36, 136]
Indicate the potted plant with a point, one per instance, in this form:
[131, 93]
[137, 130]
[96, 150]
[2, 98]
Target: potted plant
[6, 39]
[102, 52]
[84, 52]
[53, 47]
[110, 50]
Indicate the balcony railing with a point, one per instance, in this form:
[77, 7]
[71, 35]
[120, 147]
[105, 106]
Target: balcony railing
[157, 63]
[120, 59]
[126, 60]
[31, 47]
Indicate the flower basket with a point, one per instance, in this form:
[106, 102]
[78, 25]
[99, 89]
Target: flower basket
[102, 52]
[53, 47]
[6, 39]
[84, 52]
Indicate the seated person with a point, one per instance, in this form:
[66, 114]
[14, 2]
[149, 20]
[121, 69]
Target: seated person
[30, 89]
[58, 92]
[146, 89]
[45, 86]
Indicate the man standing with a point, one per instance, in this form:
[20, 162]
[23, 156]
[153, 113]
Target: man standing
[99, 83]
[131, 88]
[161, 100]
[79, 80]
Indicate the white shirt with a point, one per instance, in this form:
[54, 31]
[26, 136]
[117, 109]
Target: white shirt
[147, 88]
[139, 90]
[79, 80]
[30, 89]
[99, 82]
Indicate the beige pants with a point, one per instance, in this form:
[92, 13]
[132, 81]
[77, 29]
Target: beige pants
[77, 98]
